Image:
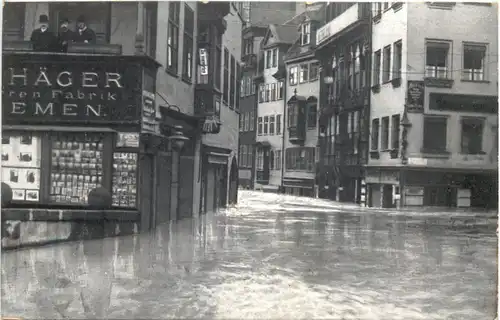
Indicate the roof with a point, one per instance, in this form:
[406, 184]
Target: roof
[284, 33]
[312, 13]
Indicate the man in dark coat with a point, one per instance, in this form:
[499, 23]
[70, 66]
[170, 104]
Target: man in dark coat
[66, 35]
[42, 38]
[83, 33]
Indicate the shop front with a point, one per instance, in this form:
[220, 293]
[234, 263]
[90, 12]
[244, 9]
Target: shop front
[77, 128]
[215, 180]
[302, 187]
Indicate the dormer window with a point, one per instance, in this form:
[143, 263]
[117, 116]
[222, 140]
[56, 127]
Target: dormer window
[272, 58]
[305, 33]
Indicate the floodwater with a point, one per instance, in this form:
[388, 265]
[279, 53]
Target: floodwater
[272, 256]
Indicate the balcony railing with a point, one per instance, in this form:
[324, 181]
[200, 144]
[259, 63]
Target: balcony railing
[84, 48]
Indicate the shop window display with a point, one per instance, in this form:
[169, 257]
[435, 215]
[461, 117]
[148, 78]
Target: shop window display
[76, 167]
[21, 155]
[124, 179]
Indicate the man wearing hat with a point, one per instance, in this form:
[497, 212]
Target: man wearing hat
[42, 38]
[83, 33]
[66, 35]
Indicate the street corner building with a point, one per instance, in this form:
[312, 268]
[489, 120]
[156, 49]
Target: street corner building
[115, 135]
[433, 105]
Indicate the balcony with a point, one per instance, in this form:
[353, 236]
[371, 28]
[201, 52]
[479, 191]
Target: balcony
[249, 61]
[346, 21]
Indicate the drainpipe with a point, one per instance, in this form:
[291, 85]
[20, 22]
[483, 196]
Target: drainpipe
[285, 127]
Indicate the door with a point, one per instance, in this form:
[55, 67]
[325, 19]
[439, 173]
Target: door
[163, 190]
[387, 196]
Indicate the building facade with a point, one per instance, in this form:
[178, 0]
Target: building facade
[343, 48]
[130, 125]
[270, 114]
[301, 109]
[257, 17]
[434, 108]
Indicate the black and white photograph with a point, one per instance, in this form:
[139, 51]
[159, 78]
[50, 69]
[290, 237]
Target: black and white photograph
[250, 160]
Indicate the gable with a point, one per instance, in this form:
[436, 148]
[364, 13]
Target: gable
[270, 37]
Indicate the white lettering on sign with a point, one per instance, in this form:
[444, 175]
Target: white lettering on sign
[203, 61]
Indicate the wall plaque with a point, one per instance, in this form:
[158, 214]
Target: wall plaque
[415, 97]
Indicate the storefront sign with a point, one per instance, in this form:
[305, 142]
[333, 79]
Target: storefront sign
[149, 122]
[463, 103]
[203, 61]
[415, 97]
[127, 140]
[69, 92]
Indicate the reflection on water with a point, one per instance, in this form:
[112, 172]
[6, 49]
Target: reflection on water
[262, 260]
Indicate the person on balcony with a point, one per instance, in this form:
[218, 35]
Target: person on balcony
[84, 34]
[42, 38]
[66, 35]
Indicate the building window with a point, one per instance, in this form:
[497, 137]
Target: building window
[304, 73]
[187, 70]
[271, 160]
[266, 125]
[275, 57]
[247, 46]
[300, 159]
[436, 64]
[384, 144]
[262, 93]
[260, 160]
[173, 36]
[247, 121]
[225, 95]
[272, 58]
[292, 115]
[259, 126]
[280, 90]
[218, 60]
[396, 123]
[150, 21]
[278, 124]
[305, 34]
[273, 91]
[268, 93]
[397, 60]
[243, 87]
[249, 156]
[376, 67]
[472, 136]
[242, 122]
[387, 64]
[252, 86]
[13, 21]
[374, 135]
[386, 5]
[474, 62]
[293, 76]
[435, 134]
[232, 83]
[314, 71]
[277, 162]
[237, 90]
[312, 115]
[252, 120]
[271, 125]
[357, 57]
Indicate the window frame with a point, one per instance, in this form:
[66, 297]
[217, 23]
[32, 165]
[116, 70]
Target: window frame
[293, 76]
[386, 64]
[478, 137]
[272, 125]
[188, 44]
[429, 141]
[278, 124]
[397, 61]
[232, 82]
[312, 106]
[174, 9]
[433, 70]
[385, 133]
[260, 126]
[304, 73]
[305, 34]
[375, 133]
[470, 74]
[377, 56]
[395, 131]
[280, 91]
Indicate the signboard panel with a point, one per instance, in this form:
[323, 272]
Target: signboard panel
[415, 97]
[149, 122]
[71, 91]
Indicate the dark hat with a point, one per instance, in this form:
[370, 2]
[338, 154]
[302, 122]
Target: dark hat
[81, 18]
[65, 20]
[43, 18]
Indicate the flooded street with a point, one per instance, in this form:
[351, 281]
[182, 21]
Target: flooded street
[272, 256]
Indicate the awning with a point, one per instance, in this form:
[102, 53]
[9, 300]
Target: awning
[55, 128]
